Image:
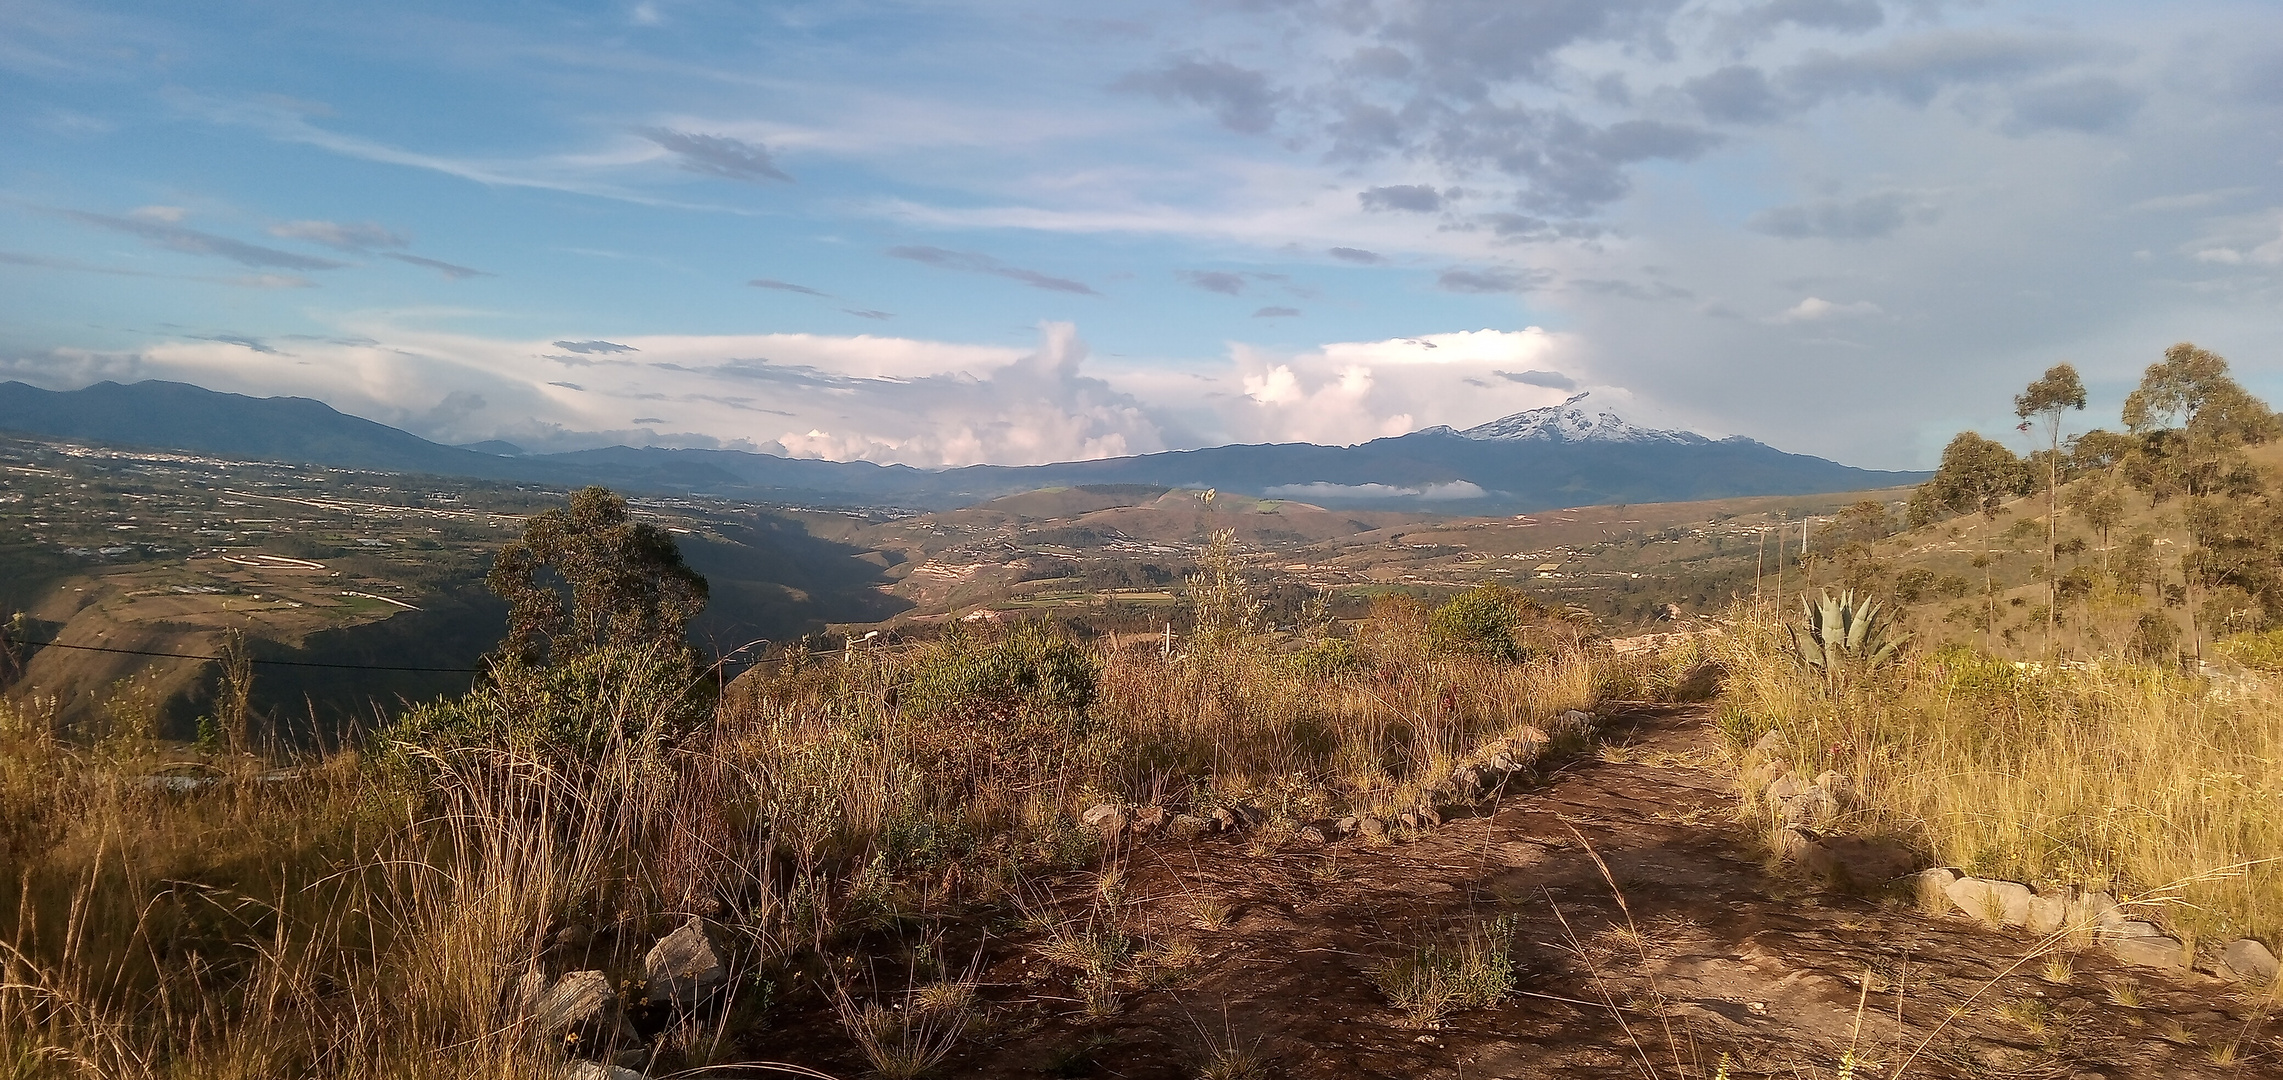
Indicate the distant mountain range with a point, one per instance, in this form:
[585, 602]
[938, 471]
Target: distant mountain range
[1562, 455]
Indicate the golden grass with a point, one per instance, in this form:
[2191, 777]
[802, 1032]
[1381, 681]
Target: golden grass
[2157, 784]
[377, 916]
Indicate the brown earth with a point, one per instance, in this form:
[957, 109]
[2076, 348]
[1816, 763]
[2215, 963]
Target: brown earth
[1730, 958]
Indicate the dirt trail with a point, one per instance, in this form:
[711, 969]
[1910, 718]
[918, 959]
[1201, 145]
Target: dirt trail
[1729, 958]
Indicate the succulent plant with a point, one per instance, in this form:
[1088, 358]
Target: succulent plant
[1843, 638]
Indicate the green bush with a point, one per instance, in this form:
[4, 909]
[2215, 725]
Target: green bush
[2259, 652]
[650, 696]
[1030, 668]
[1326, 658]
[1482, 621]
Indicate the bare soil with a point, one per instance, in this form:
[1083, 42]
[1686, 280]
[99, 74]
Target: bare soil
[1714, 952]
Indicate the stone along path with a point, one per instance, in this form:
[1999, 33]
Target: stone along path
[1712, 956]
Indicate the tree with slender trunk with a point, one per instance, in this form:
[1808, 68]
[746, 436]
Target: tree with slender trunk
[2193, 421]
[1976, 475]
[2059, 391]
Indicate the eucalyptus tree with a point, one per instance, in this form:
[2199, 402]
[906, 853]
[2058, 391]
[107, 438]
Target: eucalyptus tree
[2045, 401]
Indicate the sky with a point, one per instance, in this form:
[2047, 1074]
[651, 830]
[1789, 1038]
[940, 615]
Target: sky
[942, 233]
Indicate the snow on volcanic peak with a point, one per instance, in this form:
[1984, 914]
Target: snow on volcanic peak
[1570, 422]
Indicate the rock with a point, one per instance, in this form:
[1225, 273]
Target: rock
[595, 1070]
[1371, 826]
[1108, 817]
[2147, 945]
[1187, 826]
[1320, 831]
[1771, 742]
[1411, 820]
[577, 999]
[1784, 789]
[1766, 773]
[1504, 762]
[1530, 743]
[1995, 903]
[1854, 861]
[1345, 826]
[1150, 819]
[1227, 820]
[1249, 816]
[2247, 960]
[1930, 887]
[1836, 785]
[1811, 807]
[1576, 722]
[1793, 843]
[1470, 782]
[685, 966]
[2048, 912]
[2096, 911]
[1431, 816]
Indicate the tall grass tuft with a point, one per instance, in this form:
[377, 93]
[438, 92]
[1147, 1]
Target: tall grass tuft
[2147, 780]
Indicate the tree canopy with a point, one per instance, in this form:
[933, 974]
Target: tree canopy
[626, 581]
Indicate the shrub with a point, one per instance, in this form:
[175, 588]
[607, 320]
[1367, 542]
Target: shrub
[1482, 621]
[2259, 652]
[649, 696]
[1471, 970]
[1030, 668]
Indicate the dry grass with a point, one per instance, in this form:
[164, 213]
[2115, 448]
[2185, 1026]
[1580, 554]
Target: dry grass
[2161, 785]
[372, 917]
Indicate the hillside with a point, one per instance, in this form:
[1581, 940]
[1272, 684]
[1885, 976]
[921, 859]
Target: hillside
[1541, 459]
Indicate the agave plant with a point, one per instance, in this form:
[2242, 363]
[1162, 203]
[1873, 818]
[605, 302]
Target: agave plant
[1841, 637]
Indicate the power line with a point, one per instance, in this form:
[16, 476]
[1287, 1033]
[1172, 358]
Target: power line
[256, 660]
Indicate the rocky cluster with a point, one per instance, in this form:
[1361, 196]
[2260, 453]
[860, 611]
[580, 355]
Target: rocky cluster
[1484, 775]
[1804, 810]
[584, 1009]
[2071, 909]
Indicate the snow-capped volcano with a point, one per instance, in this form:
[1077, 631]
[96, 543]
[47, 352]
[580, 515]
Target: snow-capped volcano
[1570, 421]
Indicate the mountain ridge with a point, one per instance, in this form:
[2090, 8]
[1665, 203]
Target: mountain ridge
[1538, 459]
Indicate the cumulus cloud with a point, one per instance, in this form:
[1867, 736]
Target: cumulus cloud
[978, 263]
[1551, 380]
[1916, 68]
[1738, 93]
[1866, 217]
[1240, 98]
[1494, 279]
[2089, 104]
[1843, 16]
[718, 155]
[1418, 198]
[1350, 392]
[1328, 491]
[1817, 309]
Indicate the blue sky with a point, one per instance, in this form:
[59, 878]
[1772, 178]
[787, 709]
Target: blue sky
[942, 233]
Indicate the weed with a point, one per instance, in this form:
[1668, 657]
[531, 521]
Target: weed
[2125, 993]
[1215, 912]
[1470, 970]
[2057, 970]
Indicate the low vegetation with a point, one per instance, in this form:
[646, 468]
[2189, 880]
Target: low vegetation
[380, 914]
[2123, 726]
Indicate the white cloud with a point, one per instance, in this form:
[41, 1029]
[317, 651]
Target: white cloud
[1817, 309]
[1321, 489]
